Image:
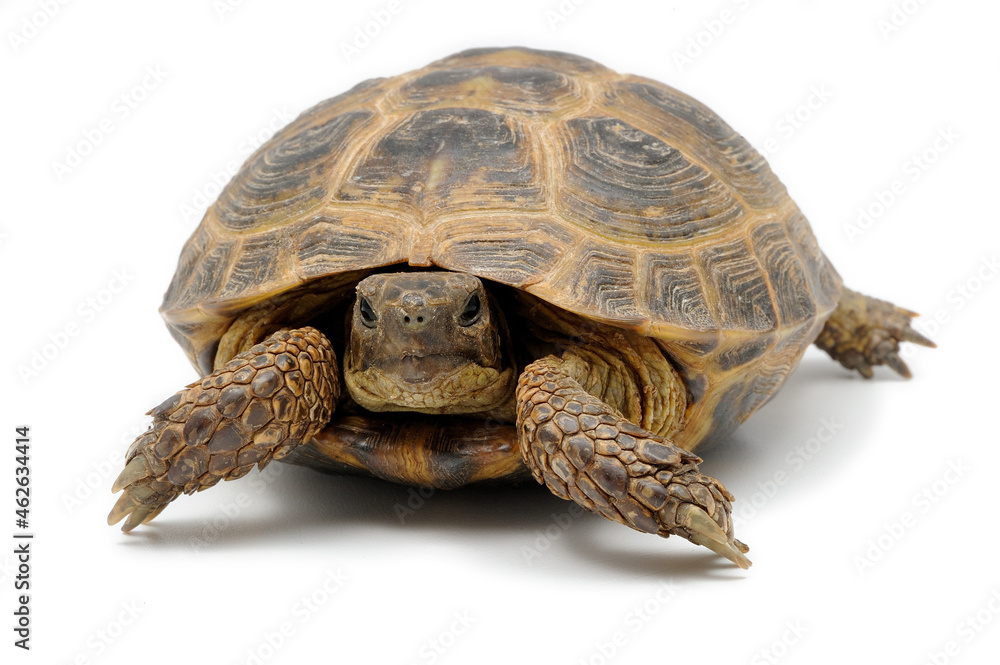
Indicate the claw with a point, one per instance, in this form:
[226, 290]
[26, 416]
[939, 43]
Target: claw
[153, 514]
[704, 531]
[138, 517]
[896, 363]
[864, 332]
[908, 334]
[128, 502]
[134, 471]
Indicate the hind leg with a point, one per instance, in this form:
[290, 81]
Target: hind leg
[864, 331]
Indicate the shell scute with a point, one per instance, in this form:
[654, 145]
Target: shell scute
[444, 159]
[517, 90]
[611, 196]
[623, 182]
[289, 175]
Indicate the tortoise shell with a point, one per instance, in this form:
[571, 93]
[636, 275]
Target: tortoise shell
[612, 196]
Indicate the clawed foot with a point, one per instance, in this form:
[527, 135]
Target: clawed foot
[864, 332]
[259, 407]
[700, 507]
[189, 448]
[582, 450]
[144, 497]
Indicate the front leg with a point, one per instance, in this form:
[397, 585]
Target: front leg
[584, 450]
[260, 406]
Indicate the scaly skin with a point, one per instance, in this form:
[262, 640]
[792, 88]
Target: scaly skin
[583, 450]
[864, 332]
[259, 407]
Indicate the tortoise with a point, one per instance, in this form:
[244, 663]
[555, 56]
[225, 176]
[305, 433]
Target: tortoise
[510, 263]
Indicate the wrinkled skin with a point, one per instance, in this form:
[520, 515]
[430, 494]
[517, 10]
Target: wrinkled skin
[432, 342]
[427, 342]
[590, 418]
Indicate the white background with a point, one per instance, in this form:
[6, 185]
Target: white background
[866, 549]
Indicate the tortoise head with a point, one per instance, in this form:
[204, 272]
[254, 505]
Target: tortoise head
[427, 341]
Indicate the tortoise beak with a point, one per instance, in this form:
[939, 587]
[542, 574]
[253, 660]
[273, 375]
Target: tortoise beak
[421, 369]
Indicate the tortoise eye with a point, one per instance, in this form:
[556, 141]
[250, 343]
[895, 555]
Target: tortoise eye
[473, 309]
[367, 313]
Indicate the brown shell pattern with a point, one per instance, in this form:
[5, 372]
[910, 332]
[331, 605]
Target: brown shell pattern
[610, 195]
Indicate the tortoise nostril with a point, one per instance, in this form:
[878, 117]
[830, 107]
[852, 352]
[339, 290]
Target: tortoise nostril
[420, 319]
[406, 319]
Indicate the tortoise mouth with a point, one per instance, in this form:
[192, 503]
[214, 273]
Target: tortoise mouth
[443, 384]
[418, 369]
